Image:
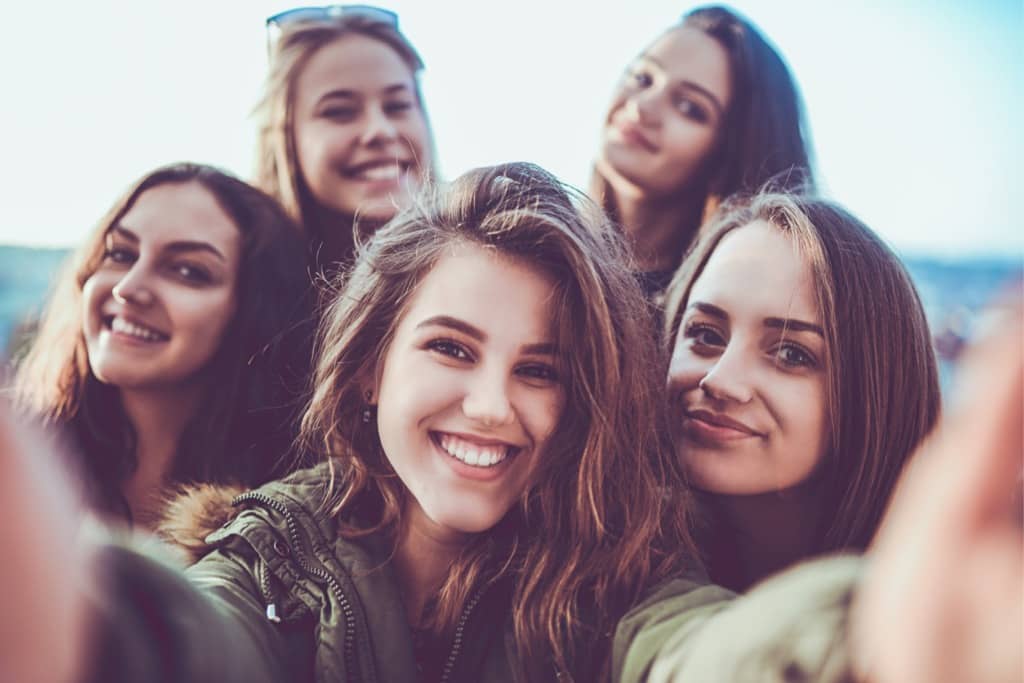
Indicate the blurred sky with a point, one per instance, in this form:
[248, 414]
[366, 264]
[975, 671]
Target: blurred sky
[915, 107]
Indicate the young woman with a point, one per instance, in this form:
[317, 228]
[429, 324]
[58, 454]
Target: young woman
[173, 347]
[802, 378]
[343, 131]
[707, 110]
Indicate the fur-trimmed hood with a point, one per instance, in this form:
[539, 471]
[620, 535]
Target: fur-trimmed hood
[192, 513]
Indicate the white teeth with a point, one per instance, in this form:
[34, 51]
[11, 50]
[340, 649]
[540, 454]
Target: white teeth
[122, 326]
[386, 172]
[473, 454]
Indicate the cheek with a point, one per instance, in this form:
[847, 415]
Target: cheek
[687, 147]
[318, 145]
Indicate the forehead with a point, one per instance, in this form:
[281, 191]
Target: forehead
[505, 298]
[688, 54]
[758, 269]
[174, 212]
[353, 62]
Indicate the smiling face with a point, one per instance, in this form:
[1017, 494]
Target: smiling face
[468, 394]
[157, 307]
[360, 133]
[667, 115]
[747, 378]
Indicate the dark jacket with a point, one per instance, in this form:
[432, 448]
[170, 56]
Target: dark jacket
[282, 597]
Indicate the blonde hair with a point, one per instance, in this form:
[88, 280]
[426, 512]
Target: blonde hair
[606, 515]
[882, 388]
[277, 167]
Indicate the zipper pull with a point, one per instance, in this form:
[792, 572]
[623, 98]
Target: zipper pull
[272, 613]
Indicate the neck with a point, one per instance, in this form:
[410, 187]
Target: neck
[422, 560]
[659, 230]
[753, 537]
[158, 418]
[332, 230]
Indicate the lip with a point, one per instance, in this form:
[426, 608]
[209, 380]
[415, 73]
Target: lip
[353, 171]
[480, 474]
[705, 426]
[632, 134]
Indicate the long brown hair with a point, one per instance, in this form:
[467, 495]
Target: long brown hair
[882, 386]
[243, 430]
[765, 136]
[606, 514]
[277, 165]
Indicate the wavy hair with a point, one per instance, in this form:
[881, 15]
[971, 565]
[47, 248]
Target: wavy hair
[606, 513]
[881, 384]
[243, 429]
[277, 165]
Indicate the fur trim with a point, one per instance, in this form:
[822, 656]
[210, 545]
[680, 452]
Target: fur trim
[192, 513]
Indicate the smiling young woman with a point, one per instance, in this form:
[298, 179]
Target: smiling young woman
[344, 133]
[708, 109]
[802, 378]
[173, 347]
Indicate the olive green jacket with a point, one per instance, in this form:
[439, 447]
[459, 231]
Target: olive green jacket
[282, 597]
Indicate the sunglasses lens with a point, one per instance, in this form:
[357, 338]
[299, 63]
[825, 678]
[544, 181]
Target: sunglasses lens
[328, 12]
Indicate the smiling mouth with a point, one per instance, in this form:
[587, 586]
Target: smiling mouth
[706, 427]
[484, 456]
[124, 328]
[379, 171]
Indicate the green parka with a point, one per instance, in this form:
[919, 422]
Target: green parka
[282, 597]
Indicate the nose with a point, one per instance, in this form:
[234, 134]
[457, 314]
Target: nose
[380, 129]
[729, 378]
[642, 106]
[487, 401]
[133, 288]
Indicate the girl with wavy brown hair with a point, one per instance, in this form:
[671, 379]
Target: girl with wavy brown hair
[176, 343]
[343, 131]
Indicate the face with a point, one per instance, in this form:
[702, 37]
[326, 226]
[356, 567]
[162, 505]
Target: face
[468, 394]
[667, 115]
[156, 308]
[747, 379]
[360, 134]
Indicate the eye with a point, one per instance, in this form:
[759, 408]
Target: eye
[340, 113]
[640, 78]
[790, 355]
[192, 273]
[541, 372]
[120, 255]
[703, 335]
[452, 349]
[397, 107]
[691, 109]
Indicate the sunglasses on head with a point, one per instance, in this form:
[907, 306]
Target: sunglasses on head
[275, 23]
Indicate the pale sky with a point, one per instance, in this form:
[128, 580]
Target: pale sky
[915, 106]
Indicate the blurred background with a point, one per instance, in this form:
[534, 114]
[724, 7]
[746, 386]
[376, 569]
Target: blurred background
[914, 110]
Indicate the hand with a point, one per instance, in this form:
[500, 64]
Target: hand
[944, 596]
[44, 571]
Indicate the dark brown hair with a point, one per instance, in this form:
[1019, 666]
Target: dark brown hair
[882, 386]
[244, 429]
[606, 513]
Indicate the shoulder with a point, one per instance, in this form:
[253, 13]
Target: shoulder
[194, 513]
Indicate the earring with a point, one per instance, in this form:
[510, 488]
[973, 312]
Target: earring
[368, 409]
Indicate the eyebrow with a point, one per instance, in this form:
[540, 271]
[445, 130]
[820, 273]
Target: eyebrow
[775, 323]
[176, 247]
[690, 85]
[354, 94]
[543, 348]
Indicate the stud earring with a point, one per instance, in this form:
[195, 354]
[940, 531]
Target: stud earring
[368, 409]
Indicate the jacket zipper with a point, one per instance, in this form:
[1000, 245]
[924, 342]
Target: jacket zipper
[332, 583]
[453, 655]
